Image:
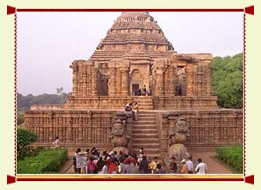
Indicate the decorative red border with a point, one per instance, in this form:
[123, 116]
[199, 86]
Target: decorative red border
[244, 91]
[15, 92]
[13, 10]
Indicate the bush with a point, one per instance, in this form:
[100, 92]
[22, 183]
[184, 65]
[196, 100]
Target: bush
[20, 118]
[24, 138]
[48, 160]
[233, 156]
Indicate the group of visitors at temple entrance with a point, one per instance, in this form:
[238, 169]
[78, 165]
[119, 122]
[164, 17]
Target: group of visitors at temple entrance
[93, 162]
[144, 91]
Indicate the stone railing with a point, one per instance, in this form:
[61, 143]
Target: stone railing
[46, 106]
[75, 128]
[101, 102]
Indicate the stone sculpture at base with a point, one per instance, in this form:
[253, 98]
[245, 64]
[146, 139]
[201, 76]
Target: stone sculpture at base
[119, 137]
[177, 136]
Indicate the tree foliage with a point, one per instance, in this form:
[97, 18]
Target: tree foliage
[227, 80]
[24, 138]
[20, 118]
[24, 102]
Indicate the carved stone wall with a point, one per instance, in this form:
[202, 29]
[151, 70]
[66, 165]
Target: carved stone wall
[184, 103]
[74, 128]
[207, 129]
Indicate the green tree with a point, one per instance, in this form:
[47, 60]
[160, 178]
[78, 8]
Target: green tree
[227, 80]
[24, 102]
[24, 138]
[20, 118]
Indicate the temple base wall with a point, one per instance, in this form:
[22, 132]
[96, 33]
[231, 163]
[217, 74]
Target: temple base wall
[183, 102]
[159, 103]
[92, 128]
[208, 129]
[75, 128]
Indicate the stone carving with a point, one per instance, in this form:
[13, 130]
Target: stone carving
[177, 136]
[119, 137]
[179, 132]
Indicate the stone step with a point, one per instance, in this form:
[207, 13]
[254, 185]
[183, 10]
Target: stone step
[145, 105]
[144, 127]
[144, 122]
[145, 131]
[146, 113]
[146, 108]
[143, 99]
[148, 151]
[144, 136]
[146, 116]
[146, 140]
[145, 145]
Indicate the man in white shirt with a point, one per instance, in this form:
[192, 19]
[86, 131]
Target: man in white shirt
[189, 163]
[201, 167]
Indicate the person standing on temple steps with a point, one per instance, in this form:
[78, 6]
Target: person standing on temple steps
[135, 111]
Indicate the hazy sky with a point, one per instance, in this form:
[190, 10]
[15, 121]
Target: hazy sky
[47, 43]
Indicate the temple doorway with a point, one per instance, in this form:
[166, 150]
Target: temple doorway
[103, 85]
[135, 89]
[181, 82]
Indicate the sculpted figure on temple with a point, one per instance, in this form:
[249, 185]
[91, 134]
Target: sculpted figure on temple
[179, 132]
[119, 137]
[177, 136]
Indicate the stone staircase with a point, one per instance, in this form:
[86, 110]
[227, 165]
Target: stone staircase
[145, 135]
[144, 102]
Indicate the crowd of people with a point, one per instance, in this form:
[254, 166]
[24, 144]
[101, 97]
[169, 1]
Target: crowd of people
[118, 163]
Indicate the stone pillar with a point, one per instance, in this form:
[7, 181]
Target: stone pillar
[124, 82]
[89, 80]
[84, 80]
[166, 81]
[80, 139]
[80, 80]
[189, 73]
[74, 67]
[68, 134]
[171, 80]
[94, 81]
[159, 82]
[112, 82]
[195, 80]
[208, 81]
[41, 135]
[118, 81]
[50, 134]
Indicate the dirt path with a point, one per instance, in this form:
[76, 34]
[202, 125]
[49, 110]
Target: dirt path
[214, 167]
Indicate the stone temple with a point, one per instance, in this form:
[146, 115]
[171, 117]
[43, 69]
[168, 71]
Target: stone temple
[135, 53]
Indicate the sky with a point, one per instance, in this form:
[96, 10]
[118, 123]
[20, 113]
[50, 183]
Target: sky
[47, 43]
